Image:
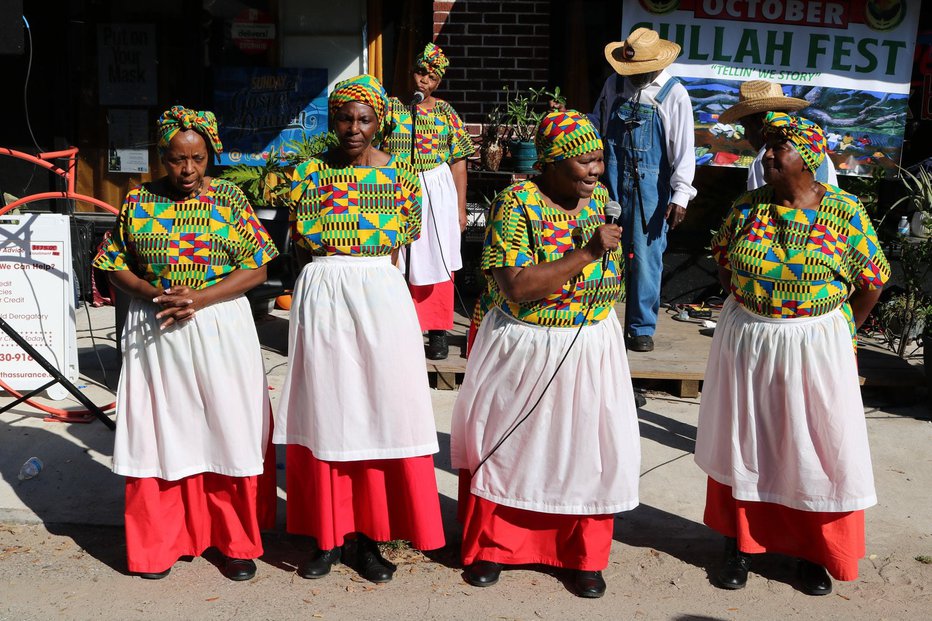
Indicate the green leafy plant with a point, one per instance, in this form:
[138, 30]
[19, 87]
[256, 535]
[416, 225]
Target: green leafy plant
[495, 127]
[267, 185]
[918, 197]
[306, 148]
[905, 316]
[524, 110]
[263, 185]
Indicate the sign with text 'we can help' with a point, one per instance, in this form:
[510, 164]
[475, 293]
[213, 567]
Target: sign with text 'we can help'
[852, 60]
[37, 300]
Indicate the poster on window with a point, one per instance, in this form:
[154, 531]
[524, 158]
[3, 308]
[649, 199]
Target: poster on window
[852, 60]
[264, 110]
[126, 64]
[128, 151]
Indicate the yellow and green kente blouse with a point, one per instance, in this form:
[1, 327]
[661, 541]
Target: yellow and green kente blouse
[524, 230]
[193, 243]
[788, 262]
[439, 135]
[355, 210]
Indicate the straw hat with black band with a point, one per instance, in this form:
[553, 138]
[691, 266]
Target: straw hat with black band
[642, 52]
[757, 96]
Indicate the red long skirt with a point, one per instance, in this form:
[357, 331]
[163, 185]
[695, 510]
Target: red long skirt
[494, 532]
[384, 499]
[166, 520]
[833, 540]
[434, 305]
[267, 491]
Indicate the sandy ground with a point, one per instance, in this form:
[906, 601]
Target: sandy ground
[62, 554]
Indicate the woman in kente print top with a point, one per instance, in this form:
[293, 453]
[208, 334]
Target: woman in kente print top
[781, 429]
[441, 146]
[355, 410]
[548, 491]
[192, 404]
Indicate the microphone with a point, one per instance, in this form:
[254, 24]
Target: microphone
[612, 212]
[612, 215]
[416, 98]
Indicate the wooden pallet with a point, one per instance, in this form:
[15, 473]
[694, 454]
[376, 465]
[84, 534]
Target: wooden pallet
[679, 359]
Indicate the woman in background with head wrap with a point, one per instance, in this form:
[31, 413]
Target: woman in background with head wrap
[781, 430]
[355, 410]
[440, 147]
[544, 428]
[185, 248]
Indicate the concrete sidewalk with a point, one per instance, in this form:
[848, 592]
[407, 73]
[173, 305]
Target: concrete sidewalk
[658, 569]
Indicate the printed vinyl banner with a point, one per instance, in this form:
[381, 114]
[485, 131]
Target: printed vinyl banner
[260, 110]
[852, 60]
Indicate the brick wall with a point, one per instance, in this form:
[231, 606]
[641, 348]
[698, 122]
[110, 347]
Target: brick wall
[491, 44]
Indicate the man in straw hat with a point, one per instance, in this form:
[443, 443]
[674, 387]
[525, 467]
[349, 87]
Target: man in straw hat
[755, 99]
[646, 118]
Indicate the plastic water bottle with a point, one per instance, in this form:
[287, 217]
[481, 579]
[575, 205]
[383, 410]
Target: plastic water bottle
[903, 227]
[31, 468]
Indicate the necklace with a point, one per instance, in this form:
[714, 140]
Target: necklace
[195, 192]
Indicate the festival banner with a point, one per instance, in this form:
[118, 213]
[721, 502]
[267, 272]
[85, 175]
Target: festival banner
[852, 60]
[260, 110]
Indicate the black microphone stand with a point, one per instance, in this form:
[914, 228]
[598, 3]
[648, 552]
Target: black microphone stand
[413, 110]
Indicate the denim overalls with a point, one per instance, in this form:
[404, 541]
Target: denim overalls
[642, 298]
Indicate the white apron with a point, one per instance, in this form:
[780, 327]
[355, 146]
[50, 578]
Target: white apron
[781, 418]
[192, 398]
[579, 452]
[356, 387]
[435, 255]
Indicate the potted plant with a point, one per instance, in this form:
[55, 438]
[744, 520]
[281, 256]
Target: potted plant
[266, 186]
[493, 134]
[918, 198]
[524, 111]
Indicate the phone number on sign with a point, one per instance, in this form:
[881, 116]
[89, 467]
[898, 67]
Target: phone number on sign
[15, 358]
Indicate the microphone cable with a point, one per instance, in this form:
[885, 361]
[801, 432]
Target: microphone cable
[522, 419]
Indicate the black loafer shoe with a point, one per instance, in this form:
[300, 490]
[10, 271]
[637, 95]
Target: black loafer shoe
[589, 584]
[319, 564]
[642, 343]
[370, 563]
[639, 400]
[437, 346]
[814, 580]
[239, 569]
[482, 573]
[734, 574]
[148, 575]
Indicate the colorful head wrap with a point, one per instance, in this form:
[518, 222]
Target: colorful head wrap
[179, 118]
[432, 59]
[565, 134]
[806, 137]
[365, 89]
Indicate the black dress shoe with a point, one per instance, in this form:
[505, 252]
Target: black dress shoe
[151, 575]
[813, 578]
[482, 573]
[589, 584]
[642, 343]
[639, 399]
[437, 346]
[239, 569]
[319, 564]
[734, 573]
[370, 563]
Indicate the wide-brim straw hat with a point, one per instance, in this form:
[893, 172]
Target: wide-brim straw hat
[642, 52]
[756, 96]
